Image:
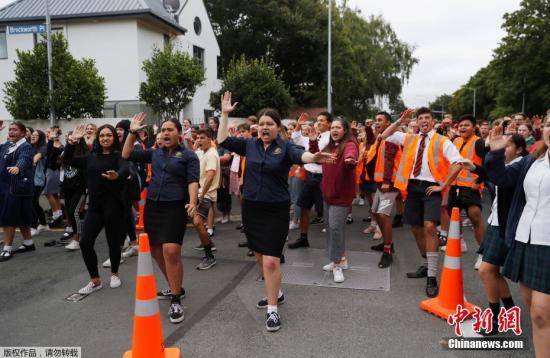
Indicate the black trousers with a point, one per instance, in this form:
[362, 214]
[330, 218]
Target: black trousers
[130, 224]
[73, 201]
[224, 197]
[108, 213]
[38, 213]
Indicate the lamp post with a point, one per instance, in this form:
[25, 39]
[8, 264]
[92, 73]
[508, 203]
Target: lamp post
[50, 79]
[329, 62]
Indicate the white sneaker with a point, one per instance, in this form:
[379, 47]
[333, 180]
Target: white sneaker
[34, 232]
[478, 262]
[126, 243]
[73, 245]
[324, 230]
[115, 281]
[89, 288]
[132, 250]
[225, 219]
[377, 234]
[329, 267]
[293, 226]
[107, 263]
[338, 274]
[42, 228]
[361, 202]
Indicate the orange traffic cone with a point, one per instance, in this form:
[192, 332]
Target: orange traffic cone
[147, 341]
[451, 290]
[139, 225]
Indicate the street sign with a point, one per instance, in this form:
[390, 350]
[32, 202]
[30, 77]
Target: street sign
[27, 29]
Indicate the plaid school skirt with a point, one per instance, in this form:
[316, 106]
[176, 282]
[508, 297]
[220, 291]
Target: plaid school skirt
[530, 265]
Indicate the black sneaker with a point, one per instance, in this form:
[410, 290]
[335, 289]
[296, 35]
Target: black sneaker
[167, 294]
[263, 302]
[431, 287]
[5, 255]
[273, 322]
[67, 236]
[422, 271]
[250, 253]
[24, 248]
[56, 223]
[201, 248]
[442, 239]
[176, 312]
[380, 247]
[367, 219]
[243, 244]
[317, 220]
[240, 227]
[349, 219]
[51, 243]
[298, 243]
[206, 263]
[385, 260]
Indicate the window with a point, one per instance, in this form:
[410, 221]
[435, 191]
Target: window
[3, 45]
[197, 26]
[44, 35]
[198, 55]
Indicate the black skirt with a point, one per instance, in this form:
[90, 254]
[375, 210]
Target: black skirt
[530, 265]
[15, 211]
[165, 221]
[266, 226]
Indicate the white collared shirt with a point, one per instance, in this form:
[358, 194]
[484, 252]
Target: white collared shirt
[535, 218]
[324, 139]
[450, 152]
[17, 145]
[493, 218]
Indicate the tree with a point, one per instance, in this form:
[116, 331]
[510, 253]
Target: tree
[441, 104]
[172, 79]
[368, 58]
[79, 90]
[255, 85]
[519, 69]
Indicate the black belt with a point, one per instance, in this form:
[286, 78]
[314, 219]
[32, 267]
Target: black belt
[422, 182]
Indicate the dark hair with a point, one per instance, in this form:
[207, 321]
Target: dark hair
[116, 143]
[530, 127]
[19, 125]
[215, 119]
[252, 119]
[468, 117]
[385, 114]
[348, 137]
[30, 129]
[176, 123]
[270, 112]
[41, 140]
[58, 129]
[188, 120]
[519, 142]
[327, 115]
[244, 126]
[485, 123]
[423, 110]
[207, 132]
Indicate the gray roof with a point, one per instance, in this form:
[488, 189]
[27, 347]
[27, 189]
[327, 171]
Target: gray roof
[34, 10]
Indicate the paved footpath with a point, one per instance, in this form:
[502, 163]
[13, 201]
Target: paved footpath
[221, 317]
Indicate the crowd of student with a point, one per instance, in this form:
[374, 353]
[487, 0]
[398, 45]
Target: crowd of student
[411, 171]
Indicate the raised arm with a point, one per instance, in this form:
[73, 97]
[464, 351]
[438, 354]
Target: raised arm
[68, 155]
[227, 107]
[137, 124]
[404, 119]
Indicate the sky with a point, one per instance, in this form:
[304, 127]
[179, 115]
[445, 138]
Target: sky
[452, 39]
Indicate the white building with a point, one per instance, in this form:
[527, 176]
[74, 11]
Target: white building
[119, 35]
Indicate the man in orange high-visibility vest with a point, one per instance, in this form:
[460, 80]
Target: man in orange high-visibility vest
[429, 163]
[386, 156]
[466, 190]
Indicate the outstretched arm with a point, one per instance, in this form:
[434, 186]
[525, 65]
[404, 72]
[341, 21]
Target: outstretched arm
[227, 107]
[404, 119]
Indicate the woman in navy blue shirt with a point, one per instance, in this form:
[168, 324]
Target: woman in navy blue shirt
[171, 194]
[266, 198]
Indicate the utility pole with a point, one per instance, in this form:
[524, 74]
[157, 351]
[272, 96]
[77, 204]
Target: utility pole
[50, 79]
[475, 90]
[329, 69]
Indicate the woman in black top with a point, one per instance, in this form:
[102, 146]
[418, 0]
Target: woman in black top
[266, 203]
[171, 194]
[105, 173]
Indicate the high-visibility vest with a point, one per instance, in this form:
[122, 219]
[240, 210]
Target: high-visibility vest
[466, 178]
[438, 164]
[368, 157]
[360, 165]
[380, 161]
